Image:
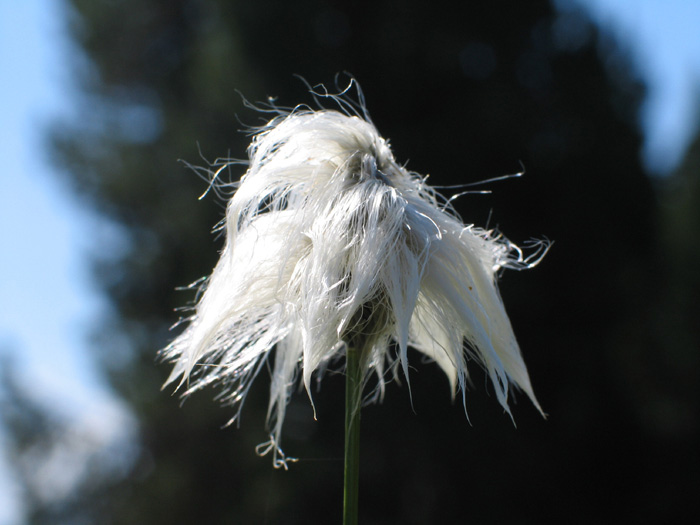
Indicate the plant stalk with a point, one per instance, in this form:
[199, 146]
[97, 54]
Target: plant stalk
[353, 404]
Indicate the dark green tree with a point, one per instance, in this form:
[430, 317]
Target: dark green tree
[667, 384]
[466, 91]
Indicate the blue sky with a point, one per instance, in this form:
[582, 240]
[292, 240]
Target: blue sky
[664, 41]
[45, 292]
[47, 300]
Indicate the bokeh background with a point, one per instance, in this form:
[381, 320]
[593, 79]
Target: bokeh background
[101, 224]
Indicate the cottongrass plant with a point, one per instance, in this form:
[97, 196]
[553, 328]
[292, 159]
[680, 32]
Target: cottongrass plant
[332, 250]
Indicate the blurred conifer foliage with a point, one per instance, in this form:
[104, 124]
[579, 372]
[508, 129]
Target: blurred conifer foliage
[466, 91]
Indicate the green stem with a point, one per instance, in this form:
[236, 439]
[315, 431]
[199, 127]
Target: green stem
[353, 402]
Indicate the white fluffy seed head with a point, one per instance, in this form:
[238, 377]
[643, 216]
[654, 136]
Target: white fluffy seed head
[328, 242]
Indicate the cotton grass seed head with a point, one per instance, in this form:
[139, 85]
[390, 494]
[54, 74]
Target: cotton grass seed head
[329, 242]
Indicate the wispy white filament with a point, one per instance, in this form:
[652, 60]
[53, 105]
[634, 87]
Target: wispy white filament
[328, 239]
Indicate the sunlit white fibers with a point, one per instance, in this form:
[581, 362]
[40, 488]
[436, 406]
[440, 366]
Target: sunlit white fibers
[329, 241]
